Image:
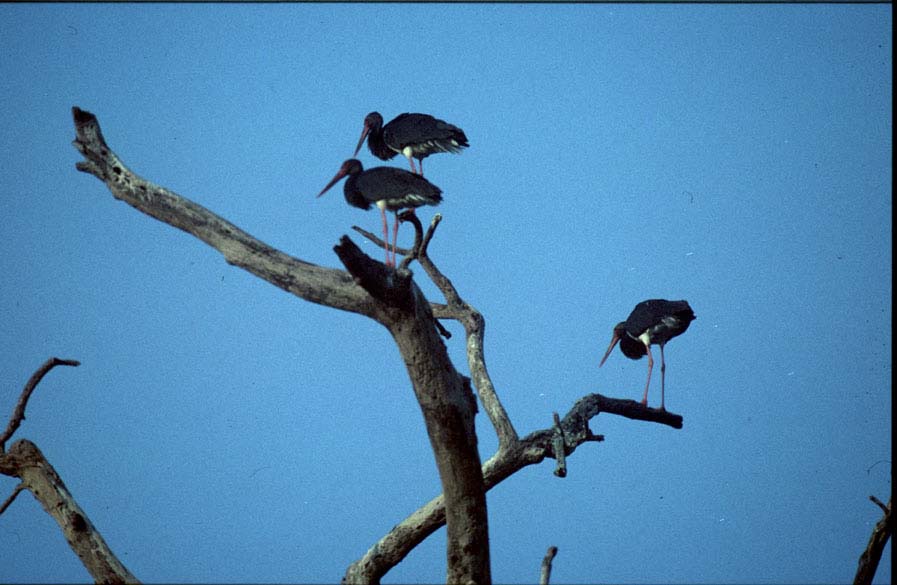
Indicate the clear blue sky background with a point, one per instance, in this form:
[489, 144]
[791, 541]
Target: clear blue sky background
[220, 430]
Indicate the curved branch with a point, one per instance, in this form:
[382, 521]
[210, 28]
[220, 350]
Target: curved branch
[324, 286]
[446, 401]
[18, 414]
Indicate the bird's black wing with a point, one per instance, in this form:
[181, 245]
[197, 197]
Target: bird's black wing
[394, 184]
[416, 129]
[666, 319]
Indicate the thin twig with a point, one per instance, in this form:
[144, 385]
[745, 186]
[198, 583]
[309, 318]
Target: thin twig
[545, 576]
[412, 218]
[18, 414]
[880, 504]
[376, 240]
[12, 497]
[425, 243]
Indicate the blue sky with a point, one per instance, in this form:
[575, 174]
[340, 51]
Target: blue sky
[220, 430]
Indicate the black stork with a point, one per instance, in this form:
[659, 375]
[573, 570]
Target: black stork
[388, 188]
[655, 321]
[415, 136]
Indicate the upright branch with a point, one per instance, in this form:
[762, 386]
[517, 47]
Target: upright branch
[475, 331]
[446, 401]
[870, 558]
[26, 462]
[545, 573]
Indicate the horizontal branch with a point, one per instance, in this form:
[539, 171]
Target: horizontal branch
[530, 450]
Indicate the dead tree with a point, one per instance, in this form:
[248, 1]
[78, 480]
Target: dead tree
[392, 298]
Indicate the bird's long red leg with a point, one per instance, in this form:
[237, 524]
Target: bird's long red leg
[420, 167]
[385, 234]
[648, 383]
[411, 162]
[663, 369]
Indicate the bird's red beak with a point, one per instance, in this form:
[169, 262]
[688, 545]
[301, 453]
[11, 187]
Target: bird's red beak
[339, 175]
[610, 348]
[364, 134]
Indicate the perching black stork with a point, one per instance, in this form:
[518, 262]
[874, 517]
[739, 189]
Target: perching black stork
[415, 136]
[655, 321]
[388, 188]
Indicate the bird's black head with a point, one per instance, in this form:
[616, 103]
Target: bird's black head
[373, 122]
[349, 167]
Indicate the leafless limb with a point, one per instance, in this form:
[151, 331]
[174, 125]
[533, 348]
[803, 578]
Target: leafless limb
[316, 284]
[870, 558]
[545, 575]
[12, 498]
[530, 450]
[25, 461]
[18, 414]
[884, 507]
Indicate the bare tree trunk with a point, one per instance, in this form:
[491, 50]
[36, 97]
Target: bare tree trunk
[448, 405]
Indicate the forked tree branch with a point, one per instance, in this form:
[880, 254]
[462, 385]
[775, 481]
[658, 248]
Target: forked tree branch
[513, 453]
[530, 450]
[26, 462]
[388, 296]
[393, 299]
